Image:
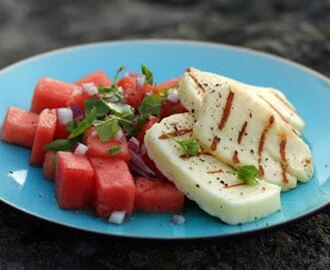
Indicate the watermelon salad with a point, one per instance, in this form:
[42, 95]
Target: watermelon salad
[88, 137]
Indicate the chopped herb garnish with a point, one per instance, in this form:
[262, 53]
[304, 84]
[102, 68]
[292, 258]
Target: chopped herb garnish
[119, 70]
[107, 129]
[151, 105]
[60, 145]
[248, 174]
[101, 107]
[120, 108]
[111, 93]
[146, 71]
[189, 146]
[54, 160]
[85, 124]
[71, 126]
[114, 150]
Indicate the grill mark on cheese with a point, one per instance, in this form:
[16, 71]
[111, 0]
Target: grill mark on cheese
[283, 141]
[284, 176]
[235, 157]
[214, 172]
[215, 142]
[289, 106]
[262, 143]
[234, 185]
[201, 87]
[261, 170]
[242, 132]
[226, 110]
[175, 133]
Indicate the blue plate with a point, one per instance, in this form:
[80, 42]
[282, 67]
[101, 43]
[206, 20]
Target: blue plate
[25, 188]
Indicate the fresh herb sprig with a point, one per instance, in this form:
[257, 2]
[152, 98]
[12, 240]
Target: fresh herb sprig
[148, 74]
[247, 173]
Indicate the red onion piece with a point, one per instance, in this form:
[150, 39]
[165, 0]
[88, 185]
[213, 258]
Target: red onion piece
[133, 74]
[77, 112]
[64, 115]
[117, 217]
[138, 166]
[173, 96]
[80, 149]
[178, 219]
[140, 80]
[77, 91]
[134, 145]
[90, 89]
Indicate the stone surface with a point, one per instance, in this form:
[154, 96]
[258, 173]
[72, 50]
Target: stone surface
[296, 29]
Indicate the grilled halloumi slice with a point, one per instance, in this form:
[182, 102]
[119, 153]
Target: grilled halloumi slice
[196, 83]
[205, 179]
[239, 128]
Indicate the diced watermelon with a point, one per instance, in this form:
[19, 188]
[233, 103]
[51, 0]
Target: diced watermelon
[97, 148]
[132, 97]
[19, 127]
[133, 94]
[114, 184]
[169, 108]
[152, 120]
[79, 98]
[157, 195]
[61, 132]
[49, 165]
[167, 84]
[96, 77]
[74, 181]
[44, 135]
[51, 94]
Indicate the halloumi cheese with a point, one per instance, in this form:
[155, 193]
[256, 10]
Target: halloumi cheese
[196, 83]
[205, 179]
[239, 128]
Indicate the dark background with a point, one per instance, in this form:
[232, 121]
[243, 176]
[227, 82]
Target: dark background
[296, 29]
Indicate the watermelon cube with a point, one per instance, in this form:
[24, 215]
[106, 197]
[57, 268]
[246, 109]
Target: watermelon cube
[114, 184]
[44, 135]
[169, 108]
[168, 84]
[49, 165]
[134, 94]
[151, 121]
[61, 132]
[157, 195]
[96, 77]
[19, 127]
[97, 148]
[74, 181]
[51, 94]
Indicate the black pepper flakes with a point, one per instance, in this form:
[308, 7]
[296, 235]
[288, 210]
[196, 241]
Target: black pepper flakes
[197, 186]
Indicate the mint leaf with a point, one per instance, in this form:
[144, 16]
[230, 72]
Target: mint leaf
[101, 107]
[120, 108]
[107, 129]
[189, 146]
[85, 124]
[114, 150]
[111, 93]
[248, 174]
[71, 126]
[60, 145]
[151, 105]
[146, 71]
